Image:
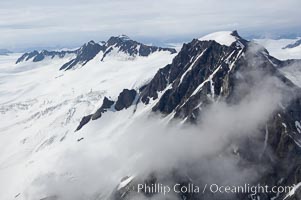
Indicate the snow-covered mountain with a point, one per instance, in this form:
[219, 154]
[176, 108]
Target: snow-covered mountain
[134, 113]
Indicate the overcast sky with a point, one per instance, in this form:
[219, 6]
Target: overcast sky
[37, 23]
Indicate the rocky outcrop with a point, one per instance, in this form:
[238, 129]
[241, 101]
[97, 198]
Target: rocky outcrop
[125, 99]
[106, 104]
[83, 122]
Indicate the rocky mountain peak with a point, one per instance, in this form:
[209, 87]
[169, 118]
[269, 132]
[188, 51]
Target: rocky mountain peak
[124, 37]
[119, 40]
[91, 42]
[88, 46]
[235, 34]
[131, 47]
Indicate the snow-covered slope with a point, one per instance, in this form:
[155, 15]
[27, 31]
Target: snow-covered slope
[40, 107]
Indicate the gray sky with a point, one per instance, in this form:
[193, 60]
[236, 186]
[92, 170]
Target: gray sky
[34, 23]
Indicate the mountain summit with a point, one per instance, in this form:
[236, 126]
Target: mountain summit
[132, 48]
[222, 37]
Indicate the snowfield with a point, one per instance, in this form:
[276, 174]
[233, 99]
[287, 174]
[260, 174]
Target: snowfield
[221, 37]
[40, 108]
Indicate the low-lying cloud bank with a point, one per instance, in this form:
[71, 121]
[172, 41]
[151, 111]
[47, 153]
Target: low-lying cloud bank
[205, 152]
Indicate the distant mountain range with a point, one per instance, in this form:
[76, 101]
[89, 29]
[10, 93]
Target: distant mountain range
[115, 45]
[4, 52]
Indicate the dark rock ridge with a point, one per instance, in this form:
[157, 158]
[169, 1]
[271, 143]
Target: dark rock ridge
[125, 99]
[206, 71]
[106, 104]
[290, 46]
[89, 50]
[83, 122]
[132, 48]
[37, 56]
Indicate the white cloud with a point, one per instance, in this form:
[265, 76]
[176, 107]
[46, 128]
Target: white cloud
[30, 23]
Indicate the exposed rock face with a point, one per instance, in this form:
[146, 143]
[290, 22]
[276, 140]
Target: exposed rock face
[206, 71]
[125, 99]
[105, 106]
[83, 122]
